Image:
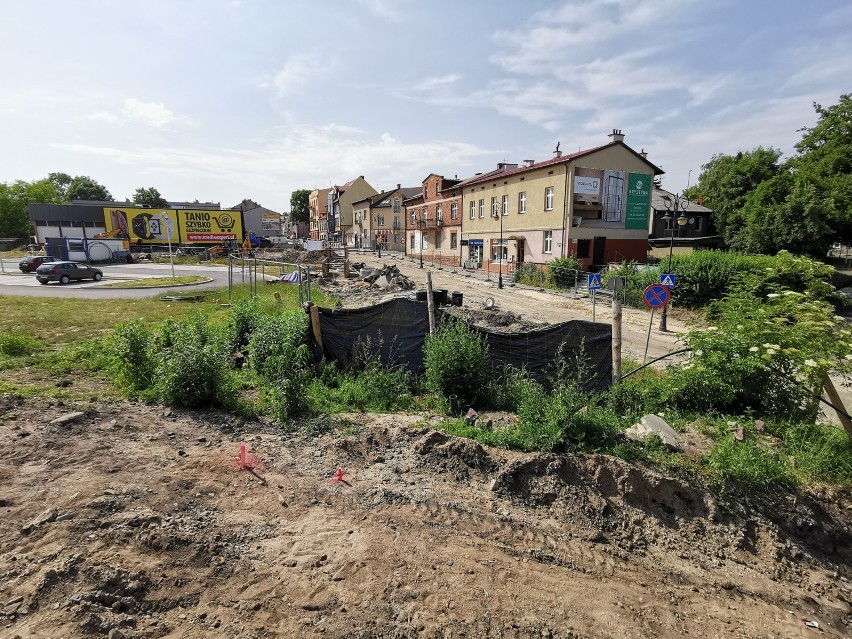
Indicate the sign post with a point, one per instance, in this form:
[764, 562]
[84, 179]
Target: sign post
[594, 284]
[654, 296]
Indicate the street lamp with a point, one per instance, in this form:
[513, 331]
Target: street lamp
[673, 204]
[500, 250]
[421, 223]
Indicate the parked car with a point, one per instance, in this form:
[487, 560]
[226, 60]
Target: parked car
[64, 272]
[30, 263]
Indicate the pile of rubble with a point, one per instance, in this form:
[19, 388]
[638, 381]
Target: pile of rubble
[387, 278]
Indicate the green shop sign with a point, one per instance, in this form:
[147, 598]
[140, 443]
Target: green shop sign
[638, 201]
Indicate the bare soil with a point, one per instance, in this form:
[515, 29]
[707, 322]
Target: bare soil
[136, 521]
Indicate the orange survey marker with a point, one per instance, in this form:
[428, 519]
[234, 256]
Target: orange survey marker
[246, 461]
[338, 478]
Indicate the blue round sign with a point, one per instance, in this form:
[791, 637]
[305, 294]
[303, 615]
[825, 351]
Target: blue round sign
[656, 296]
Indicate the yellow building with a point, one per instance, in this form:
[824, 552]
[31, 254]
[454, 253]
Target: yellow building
[593, 204]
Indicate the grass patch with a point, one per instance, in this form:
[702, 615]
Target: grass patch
[155, 282]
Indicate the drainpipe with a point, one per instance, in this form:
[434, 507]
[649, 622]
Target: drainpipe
[564, 210]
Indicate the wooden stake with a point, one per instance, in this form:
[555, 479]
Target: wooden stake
[430, 303]
[834, 398]
[315, 325]
[616, 339]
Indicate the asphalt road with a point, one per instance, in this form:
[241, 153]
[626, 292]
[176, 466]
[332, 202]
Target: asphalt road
[13, 282]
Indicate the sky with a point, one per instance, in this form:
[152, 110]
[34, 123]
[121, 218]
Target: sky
[223, 100]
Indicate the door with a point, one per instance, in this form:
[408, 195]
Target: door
[598, 250]
[520, 252]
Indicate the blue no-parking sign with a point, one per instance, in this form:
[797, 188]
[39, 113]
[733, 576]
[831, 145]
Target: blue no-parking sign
[656, 296]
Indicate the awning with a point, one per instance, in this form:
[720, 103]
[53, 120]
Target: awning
[517, 238]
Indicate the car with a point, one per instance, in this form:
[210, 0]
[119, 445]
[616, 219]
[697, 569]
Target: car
[64, 272]
[30, 263]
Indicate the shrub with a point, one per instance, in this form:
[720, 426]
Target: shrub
[749, 463]
[17, 344]
[279, 343]
[530, 274]
[456, 360]
[132, 361]
[244, 318]
[564, 272]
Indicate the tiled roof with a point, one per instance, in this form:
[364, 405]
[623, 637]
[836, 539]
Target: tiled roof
[501, 172]
[658, 202]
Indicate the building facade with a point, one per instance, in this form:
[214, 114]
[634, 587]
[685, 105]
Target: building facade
[433, 221]
[593, 204]
[318, 214]
[340, 213]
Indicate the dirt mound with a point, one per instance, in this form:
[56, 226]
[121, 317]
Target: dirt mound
[133, 521]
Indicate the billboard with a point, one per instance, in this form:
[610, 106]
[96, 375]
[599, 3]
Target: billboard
[184, 226]
[638, 201]
[270, 223]
[613, 196]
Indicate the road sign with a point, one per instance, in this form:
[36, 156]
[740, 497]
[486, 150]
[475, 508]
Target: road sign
[595, 281]
[656, 296]
[668, 280]
[616, 283]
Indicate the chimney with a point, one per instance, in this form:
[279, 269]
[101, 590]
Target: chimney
[505, 166]
[399, 186]
[557, 153]
[528, 163]
[616, 136]
[644, 153]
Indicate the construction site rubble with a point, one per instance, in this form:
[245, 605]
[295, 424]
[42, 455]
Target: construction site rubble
[387, 278]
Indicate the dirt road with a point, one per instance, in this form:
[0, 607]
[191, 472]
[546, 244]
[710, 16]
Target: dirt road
[541, 306]
[128, 521]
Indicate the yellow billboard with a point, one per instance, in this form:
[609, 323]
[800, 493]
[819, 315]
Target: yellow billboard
[184, 226]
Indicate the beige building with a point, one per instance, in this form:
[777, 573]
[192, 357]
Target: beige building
[593, 204]
[341, 214]
[379, 218]
[318, 214]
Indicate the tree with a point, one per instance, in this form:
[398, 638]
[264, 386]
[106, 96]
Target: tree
[150, 197]
[299, 210]
[14, 198]
[82, 187]
[727, 180]
[60, 181]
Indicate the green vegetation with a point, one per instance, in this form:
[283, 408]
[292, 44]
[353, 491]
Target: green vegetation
[158, 282]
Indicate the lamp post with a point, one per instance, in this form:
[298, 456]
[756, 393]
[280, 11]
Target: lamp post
[673, 204]
[166, 223]
[500, 250]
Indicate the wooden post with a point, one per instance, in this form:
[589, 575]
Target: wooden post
[346, 269]
[834, 398]
[315, 325]
[430, 303]
[616, 339]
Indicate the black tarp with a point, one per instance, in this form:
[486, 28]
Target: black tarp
[395, 331]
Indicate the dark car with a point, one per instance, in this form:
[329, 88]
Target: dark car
[31, 262]
[64, 272]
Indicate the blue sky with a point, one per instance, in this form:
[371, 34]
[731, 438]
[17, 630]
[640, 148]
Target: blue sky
[220, 100]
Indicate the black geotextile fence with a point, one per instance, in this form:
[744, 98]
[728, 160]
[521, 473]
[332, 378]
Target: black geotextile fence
[396, 330]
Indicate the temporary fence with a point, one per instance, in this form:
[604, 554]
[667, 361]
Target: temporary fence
[395, 332]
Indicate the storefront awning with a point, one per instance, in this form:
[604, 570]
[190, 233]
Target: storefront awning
[517, 238]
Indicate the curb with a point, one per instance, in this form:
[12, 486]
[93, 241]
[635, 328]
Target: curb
[154, 288]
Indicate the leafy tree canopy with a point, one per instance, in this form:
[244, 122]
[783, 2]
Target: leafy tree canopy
[82, 187]
[299, 205]
[60, 181]
[14, 198]
[151, 197]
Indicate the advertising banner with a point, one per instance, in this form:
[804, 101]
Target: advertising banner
[270, 223]
[185, 226]
[638, 201]
[140, 226]
[587, 185]
[209, 226]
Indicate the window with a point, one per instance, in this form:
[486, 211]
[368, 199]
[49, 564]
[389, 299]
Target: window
[548, 241]
[548, 198]
[698, 219]
[396, 221]
[473, 210]
[499, 251]
[522, 202]
[425, 214]
[437, 240]
[481, 209]
[396, 205]
[505, 205]
[454, 211]
[495, 211]
[583, 248]
[411, 241]
[439, 212]
[380, 220]
[413, 217]
[454, 240]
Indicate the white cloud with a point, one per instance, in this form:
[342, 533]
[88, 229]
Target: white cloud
[153, 114]
[298, 71]
[104, 116]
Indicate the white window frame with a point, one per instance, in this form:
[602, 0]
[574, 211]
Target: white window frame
[473, 210]
[548, 198]
[522, 202]
[505, 205]
[439, 212]
[482, 208]
[495, 206]
[454, 241]
[548, 242]
[454, 211]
